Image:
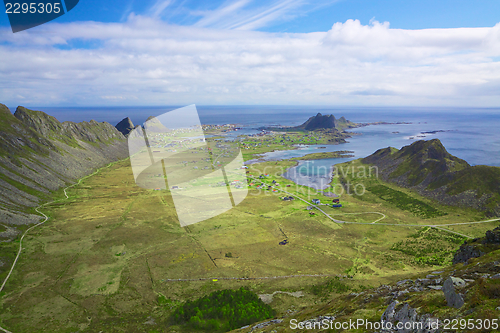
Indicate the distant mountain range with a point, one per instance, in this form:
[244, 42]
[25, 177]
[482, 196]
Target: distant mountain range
[39, 154]
[427, 167]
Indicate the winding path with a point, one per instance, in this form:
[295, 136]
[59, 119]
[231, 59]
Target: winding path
[46, 218]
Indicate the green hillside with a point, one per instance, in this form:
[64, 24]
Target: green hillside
[427, 167]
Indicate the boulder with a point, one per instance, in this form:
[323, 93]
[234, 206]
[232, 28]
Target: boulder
[453, 299]
[404, 313]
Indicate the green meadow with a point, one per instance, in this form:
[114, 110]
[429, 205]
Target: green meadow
[106, 258]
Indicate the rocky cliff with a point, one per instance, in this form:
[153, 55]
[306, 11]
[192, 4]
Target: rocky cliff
[39, 154]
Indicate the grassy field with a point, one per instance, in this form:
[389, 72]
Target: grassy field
[252, 147]
[319, 156]
[104, 259]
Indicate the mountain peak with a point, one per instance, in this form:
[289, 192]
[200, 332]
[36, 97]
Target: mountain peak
[4, 111]
[38, 121]
[49, 127]
[421, 162]
[320, 121]
[125, 126]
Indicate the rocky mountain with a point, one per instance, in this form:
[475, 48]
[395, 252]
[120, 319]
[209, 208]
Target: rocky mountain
[39, 154]
[427, 167]
[327, 122]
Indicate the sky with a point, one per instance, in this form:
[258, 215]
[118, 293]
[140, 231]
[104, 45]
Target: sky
[247, 52]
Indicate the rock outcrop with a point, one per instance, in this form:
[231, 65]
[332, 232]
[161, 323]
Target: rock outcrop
[465, 253]
[478, 247]
[125, 126]
[403, 318]
[453, 299]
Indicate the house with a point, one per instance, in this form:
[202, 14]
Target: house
[309, 207]
[311, 213]
[175, 187]
[336, 206]
[336, 200]
[316, 201]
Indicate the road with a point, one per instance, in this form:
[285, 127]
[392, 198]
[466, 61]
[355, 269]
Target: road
[255, 278]
[437, 226]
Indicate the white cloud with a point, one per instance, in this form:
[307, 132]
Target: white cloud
[144, 61]
[234, 15]
[159, 7]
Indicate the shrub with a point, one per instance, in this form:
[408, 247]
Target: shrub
[223, 310]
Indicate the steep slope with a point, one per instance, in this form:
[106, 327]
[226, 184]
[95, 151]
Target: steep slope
[320, 121]
[39, 154]
[427, 167]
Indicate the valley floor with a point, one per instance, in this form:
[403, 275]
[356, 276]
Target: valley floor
[111, 251]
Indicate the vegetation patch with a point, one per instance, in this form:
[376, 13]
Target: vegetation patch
[430, 246]
[325, 155]
[335, 285]
[405, 202]
[223, 310]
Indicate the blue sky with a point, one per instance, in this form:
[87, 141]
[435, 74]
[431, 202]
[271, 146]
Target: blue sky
[342, 52]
